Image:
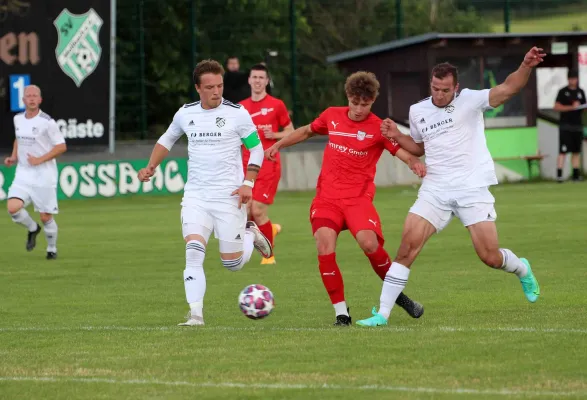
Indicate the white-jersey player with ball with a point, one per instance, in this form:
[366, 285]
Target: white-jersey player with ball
[449, 128]
[217, 190]
[38, 142]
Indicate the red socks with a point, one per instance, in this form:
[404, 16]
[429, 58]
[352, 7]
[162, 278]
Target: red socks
[332, 278]
[380, 261]
[267, 230]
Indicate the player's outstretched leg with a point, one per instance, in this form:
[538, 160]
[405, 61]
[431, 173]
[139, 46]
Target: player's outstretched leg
[394, 283]
[19, 215]
[417, 230]
[485, 241]
[380, 262]
[260, 242]
[194, 281]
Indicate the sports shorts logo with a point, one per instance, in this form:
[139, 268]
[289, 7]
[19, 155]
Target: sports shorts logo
[220, 122]
[78, 48]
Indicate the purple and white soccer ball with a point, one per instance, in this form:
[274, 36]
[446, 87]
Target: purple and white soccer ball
[256, 301]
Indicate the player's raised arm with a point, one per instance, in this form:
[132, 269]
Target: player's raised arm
[517, 79]
[161, 149]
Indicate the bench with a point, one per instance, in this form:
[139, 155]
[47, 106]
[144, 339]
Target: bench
[531, 159]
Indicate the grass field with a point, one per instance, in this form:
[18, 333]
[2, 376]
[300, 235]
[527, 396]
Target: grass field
[100, 322]
[564, 19]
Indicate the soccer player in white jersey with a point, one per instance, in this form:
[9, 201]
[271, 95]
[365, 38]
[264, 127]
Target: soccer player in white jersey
[217, 190]
[38, 142]
[448, 127]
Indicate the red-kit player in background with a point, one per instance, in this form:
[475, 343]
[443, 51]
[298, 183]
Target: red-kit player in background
[345, 188]
[269, 114]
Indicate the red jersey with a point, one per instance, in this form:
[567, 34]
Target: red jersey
[351, 155]
[268, 114]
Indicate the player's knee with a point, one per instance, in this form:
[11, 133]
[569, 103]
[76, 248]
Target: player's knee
[369, 245]
[325, 246]
[232, 262]
[258, 212]
[46, 217]
[13, 206]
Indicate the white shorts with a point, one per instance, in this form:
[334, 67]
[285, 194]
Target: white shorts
[471, 206]
[44, 199]
[228, 222]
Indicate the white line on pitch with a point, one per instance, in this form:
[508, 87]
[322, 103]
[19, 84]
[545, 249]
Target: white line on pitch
[284, 386]
[447, 329]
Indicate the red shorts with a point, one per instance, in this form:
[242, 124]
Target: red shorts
[267, 181]
[355, 214]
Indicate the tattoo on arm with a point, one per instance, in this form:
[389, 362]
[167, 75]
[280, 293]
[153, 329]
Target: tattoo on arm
[253, 168]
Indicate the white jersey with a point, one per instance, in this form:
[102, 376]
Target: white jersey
[456, 151]
[36, 136]
[215, 136]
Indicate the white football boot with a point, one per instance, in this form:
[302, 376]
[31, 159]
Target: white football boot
[260, 242]
[192, 320]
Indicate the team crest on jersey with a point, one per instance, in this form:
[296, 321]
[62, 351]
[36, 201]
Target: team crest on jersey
[361, 135]
[78, 43]
[264, 111]
[450, 108]
[220, 122]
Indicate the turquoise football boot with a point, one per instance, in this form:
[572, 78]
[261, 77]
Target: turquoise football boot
[376, 320]
[530, 284]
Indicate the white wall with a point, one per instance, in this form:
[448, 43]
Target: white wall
[548, 145]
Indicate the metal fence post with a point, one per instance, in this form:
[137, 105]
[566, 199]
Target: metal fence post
[142, 69]
[293, 66]
[193, 42]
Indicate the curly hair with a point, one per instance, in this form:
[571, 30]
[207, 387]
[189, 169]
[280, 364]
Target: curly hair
[362, 84]
[207, 67]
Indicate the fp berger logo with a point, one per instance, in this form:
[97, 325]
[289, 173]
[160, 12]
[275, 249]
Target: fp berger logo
[78, 46]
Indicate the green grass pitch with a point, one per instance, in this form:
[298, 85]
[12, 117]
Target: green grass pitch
[100, 322]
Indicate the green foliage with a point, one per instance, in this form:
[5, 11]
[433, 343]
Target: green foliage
[248, 29]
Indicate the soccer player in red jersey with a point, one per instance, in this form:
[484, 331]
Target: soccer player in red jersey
[269, 114]
[345, 188]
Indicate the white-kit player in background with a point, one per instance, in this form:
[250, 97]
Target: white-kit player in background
[38, 142]
[216, 191]
[449, 128]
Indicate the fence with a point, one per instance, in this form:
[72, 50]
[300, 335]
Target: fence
[159, 42]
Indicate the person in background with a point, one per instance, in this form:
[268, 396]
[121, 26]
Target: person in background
[236, 82]
[570, 126]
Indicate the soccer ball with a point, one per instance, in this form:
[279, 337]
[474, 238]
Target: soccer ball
[256, 301]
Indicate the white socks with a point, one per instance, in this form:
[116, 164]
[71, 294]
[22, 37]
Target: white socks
[341, 309]
[51, 235]
[511, 263]
[393, 284]
[248, 246]
[194, 278]
[23, 218]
